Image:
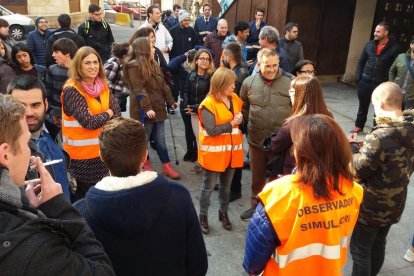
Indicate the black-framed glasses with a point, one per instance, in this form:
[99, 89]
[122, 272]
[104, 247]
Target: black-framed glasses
[204, 59]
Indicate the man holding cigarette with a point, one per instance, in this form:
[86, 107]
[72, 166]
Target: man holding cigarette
[41, 233]
[45, 136]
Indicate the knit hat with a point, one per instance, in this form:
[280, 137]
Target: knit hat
[38, 19]
[183, 14]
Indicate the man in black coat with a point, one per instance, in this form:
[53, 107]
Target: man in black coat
[97, 33]
[64, 31]
[372, 69]
[41, 233]
[185, 37]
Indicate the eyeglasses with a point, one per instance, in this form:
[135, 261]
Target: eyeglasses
[43, 21]
[203, 59]
[309, 72]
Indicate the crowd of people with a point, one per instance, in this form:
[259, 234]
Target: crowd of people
[314, 191]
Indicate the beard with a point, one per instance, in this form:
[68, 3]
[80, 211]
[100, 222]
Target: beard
[38, 125]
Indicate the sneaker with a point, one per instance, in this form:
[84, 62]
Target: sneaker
[171, 110]
[196, 170]
[356, 130]
[409, 256]
[247, 215]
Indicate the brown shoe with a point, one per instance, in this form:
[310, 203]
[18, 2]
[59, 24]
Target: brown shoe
[223, 217]
[204, 224]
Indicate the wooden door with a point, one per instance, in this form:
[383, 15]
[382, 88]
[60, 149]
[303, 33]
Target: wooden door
[325, 30]
[400, 15]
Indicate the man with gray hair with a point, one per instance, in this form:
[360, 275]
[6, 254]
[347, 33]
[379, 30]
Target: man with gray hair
[263, 116]
[269, 38]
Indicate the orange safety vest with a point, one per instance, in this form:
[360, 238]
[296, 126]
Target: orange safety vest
[79, 142]
[314, 233]
[217, 153]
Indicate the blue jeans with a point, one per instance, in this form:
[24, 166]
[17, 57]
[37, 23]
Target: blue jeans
[159, 139]
[209, 181]
[368, 248]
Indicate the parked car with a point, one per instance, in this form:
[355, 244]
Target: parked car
[138, 11]
[20, 25]
[108, 8]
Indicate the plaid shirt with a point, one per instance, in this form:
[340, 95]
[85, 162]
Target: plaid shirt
[115, 77]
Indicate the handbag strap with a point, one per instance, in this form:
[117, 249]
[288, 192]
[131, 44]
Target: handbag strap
[410, 68]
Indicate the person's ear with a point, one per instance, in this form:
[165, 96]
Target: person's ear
[4, 152]
[144, 157]
[46, 105]
[100, 156]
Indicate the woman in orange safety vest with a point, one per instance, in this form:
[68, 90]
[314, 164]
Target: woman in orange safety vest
[304, 221]
[220, 148]
[87, 105]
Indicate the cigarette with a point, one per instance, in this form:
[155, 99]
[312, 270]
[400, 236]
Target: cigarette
[49, 163]
[36, 180]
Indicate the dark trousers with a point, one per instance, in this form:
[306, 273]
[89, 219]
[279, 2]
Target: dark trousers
[364, 97]
[235, 187]
[368, 249]
[190, 139]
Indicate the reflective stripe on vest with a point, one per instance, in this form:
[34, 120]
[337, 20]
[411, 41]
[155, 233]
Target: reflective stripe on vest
[313, 232]
[82, 143]
[68, 123]
[222, 148]
[327, 251]
[217, 153]
[234, 131]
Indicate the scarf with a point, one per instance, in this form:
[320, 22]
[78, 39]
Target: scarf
[13, 197]
[9, 192]
[94, 89]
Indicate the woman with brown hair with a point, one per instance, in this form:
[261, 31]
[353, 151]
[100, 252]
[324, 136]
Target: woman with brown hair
[87, 105]
[149, 95]
[221, 143]
[307, 99]
[306, 219]
[150, 33]
[196, 88]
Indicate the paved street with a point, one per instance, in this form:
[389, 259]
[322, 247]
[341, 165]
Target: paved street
[226, 248]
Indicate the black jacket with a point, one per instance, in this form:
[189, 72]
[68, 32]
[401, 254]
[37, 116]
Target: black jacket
[373, 69]
[99, 36]
[61, 33]
[196, 89]
[59, 244]
[184, 40]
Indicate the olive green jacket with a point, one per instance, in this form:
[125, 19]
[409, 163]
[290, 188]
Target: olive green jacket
[398, 72]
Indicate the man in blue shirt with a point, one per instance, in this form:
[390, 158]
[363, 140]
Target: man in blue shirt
[45, 136]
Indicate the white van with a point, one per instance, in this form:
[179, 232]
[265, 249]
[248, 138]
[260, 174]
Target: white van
[20, 25]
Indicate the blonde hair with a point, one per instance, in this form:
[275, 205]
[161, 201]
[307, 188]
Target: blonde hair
[75, 72]
[221, 79]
